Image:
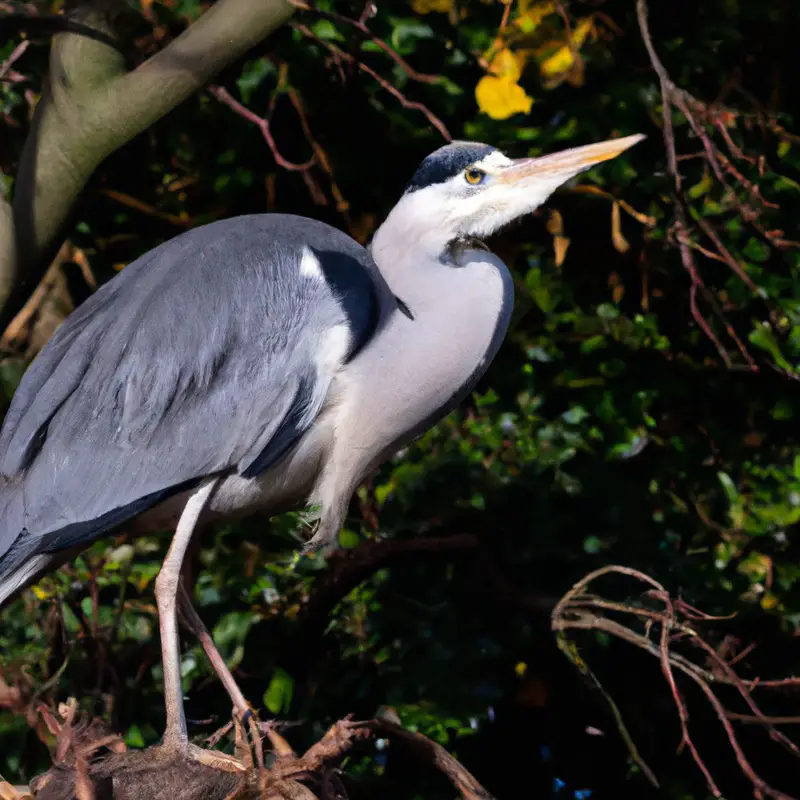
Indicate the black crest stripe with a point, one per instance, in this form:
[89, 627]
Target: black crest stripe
[447, 162]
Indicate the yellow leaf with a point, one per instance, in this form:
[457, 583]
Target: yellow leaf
[427, 6]
[617, 239]
[769, 601]
[505, 64]
[558, 63]
[584, 27]
[563, 58]
[532, 17]
[560, 246]
[555, 223]
[42, 592]
[521, 668]
[501, 98]
[555, 227]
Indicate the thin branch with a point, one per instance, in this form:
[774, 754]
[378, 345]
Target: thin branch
[224, 96]
[15, 55]
[361, 26]
[404, 101]
[435, 755]
[670, 93]
[573, 612]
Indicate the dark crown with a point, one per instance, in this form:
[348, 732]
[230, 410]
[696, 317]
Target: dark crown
[447, 162]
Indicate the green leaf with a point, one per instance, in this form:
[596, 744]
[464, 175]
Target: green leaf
[278, 697]
[763, 337]
[755, 250]
[252, 77]
[729, 486]
[592, 545]
[348, 539]
[326, 30]
[575, 415]
[702, 187]
[133, 737]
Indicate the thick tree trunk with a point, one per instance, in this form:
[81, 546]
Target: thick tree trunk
[90, 106]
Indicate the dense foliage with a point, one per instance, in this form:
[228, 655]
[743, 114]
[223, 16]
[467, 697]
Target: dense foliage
[641, 412]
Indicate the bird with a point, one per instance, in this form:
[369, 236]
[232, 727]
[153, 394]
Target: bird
[257, 364]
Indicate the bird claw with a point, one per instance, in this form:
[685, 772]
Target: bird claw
[321, 543]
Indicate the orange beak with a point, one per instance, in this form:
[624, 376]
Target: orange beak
[568, 162]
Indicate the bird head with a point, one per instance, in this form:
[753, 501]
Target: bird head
[470, 190]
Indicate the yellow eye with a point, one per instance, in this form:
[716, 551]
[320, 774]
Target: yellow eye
[474, 176]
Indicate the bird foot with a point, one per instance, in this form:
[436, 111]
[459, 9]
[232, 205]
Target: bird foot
[185, 751]
[322, 543]
[248, 738]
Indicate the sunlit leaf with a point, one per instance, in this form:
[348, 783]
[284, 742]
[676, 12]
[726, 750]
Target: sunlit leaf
[531, 18]
[506, 64]
[563, 59]
[555, 227]
[617, 239]
[501, 98]
[428, 6]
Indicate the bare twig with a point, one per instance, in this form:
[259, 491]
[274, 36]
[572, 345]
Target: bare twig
[404, 101]
[435, 755]
[224, 96]
[697, 114]
[361, 26]
[15, 55]
[576, 612]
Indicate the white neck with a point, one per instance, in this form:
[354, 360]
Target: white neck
[398, 242]
[459, 313]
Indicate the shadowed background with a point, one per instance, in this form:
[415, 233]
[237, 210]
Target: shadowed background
[641, 412]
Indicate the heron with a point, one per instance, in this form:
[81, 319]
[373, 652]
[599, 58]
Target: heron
[258, 364]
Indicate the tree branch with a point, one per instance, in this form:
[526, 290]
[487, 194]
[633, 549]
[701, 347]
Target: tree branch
[91, 106]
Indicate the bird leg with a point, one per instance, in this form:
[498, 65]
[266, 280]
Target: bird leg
[191, 620]
[176, 738]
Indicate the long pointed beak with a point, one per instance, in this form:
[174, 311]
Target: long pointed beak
[567, 163]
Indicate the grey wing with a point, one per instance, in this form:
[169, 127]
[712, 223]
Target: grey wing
[200, 357]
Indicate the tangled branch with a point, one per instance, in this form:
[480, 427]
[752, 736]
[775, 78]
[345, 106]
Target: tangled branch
[224, 96]
[675, 622]
[342, 56]
[360, 26]
[701, 116]
[290, 776]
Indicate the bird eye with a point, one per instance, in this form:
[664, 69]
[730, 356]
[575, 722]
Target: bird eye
[474, 176]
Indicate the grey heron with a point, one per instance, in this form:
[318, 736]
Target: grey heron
[256, 364]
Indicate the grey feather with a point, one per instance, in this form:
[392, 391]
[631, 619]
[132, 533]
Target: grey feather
[198, 358]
